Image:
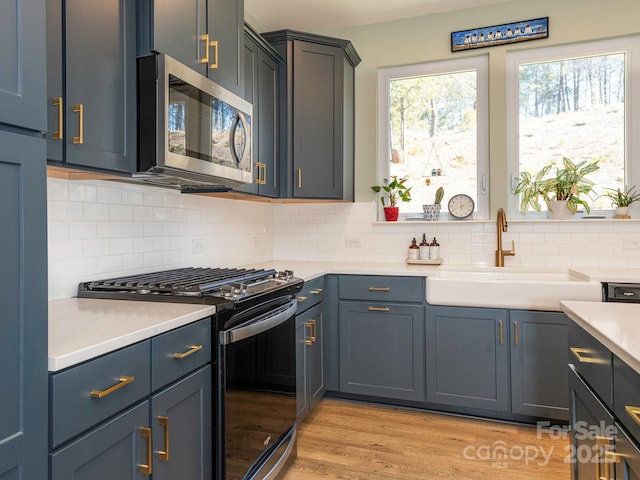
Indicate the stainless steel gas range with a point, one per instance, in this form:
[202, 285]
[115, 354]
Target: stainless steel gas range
[254, 330]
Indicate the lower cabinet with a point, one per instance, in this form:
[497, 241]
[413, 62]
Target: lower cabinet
[539, 382]
[627, 459]
[310, 386]
[382, 350]
[468, 357]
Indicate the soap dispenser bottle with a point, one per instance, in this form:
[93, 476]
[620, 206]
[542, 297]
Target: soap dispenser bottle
[424, 248]
[414, 250]
[434, 250]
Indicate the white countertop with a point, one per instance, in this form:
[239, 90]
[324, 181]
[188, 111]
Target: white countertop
[615, 325]
[81, 328]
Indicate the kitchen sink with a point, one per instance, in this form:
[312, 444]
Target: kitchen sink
[530, 288]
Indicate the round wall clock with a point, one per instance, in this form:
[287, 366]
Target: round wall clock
[461, 207]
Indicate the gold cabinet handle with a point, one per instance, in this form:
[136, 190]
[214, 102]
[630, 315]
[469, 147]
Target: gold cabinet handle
[634, 413]
[379, 309]
[301, 299]
[379, 289]
[264, 174]
[515, 333]
[193, 349]
[299, 178]
[205, 38]
[501, 335]
[79, 109]
[146, 469]
[581, 355]
[311, 325]
[261, 180]
[121, 383]
[214, 44]
[164, 454]
[57, 134]
[317, 291]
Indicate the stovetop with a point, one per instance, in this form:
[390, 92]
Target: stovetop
[212, 286]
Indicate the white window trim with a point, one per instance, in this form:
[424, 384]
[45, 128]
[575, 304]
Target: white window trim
[477, 63]
[631, 47]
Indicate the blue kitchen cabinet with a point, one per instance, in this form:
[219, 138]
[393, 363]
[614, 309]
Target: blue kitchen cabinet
[205, 35]
[468, 357]
[91, 84]
[22, 76]
[261, 76]
[310, 384]
[23, 300]
[141, 410]
[539, 383]
[317, 115]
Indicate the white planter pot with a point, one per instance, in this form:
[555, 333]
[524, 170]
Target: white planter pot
[431, 212]
[558, 210]
[621, 211]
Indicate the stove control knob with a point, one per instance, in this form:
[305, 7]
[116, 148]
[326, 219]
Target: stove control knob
[285, 275]
[227, 291]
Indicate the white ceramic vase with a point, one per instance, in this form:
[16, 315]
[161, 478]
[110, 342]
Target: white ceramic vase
[558, 210]
[621, 211]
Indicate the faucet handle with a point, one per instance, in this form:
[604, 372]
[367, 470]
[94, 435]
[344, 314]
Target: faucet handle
[512, 252]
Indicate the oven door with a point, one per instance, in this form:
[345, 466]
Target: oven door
[258, 394]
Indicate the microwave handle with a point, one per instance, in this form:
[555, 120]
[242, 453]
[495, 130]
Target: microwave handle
[240, 119]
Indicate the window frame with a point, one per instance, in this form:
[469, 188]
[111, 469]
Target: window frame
[630, 46]
[479, 63]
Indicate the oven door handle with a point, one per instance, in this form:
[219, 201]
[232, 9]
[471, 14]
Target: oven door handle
[259, 325]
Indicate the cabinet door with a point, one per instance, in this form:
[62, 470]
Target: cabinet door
[114, 450]
[225, 24]
[181, 420]
[315, 353]
[627, 460]
[100, 76]
[251, 96]
[178, 29]
[23, 300]
[22, 76]
[267, 123]
[302, 396]
[539, 383]
[382, 350]
[468, 357]
[592, 431]
[317, 120]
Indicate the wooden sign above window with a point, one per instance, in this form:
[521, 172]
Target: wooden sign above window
[500, 34]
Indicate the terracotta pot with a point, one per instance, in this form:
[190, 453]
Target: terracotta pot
[391, 214]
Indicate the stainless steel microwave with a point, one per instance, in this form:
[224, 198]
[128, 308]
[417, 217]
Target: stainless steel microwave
[191, 131]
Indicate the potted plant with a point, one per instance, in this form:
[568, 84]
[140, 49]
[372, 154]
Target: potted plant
[394, 190]
[432, 212]
[621, 199]
[561, 192]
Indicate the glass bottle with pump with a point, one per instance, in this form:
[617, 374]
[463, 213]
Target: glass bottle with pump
[434, 250]
[414, 250]
[424, 248]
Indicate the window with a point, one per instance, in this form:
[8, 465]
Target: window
[433, 128]
[578, 102]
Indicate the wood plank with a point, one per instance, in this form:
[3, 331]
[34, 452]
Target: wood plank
[351, 440]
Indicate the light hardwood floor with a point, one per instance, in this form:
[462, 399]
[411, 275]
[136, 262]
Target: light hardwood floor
[347, 440]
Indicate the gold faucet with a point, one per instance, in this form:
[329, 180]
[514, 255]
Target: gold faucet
[502, 227]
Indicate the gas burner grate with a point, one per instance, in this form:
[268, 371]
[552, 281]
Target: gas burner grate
[181, 281]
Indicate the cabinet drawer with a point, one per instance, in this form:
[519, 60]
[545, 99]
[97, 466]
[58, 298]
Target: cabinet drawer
[593, 362]
[626, 396]
[311, 294]
[380, 288]
[180, 351]
[89, 393]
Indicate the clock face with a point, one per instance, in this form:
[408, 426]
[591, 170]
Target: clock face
[461, 206]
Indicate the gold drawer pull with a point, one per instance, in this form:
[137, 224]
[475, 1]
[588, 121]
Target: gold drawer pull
[301, 299]
[311, 325]
[205, 38]
[146, 469]
[57, 134]
[580, 353]
[634, 413]
[515, 333]
[79, 109]
[193, 349]
[164, 454]
[379, 289]
[379, 309]
[501, 335]
[317, 291]
[299, 178]
[103, 393]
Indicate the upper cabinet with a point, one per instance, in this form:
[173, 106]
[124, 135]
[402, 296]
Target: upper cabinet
[261, 82]
[205, 35]
[91, 83]
[22, 79]
[317, 114]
